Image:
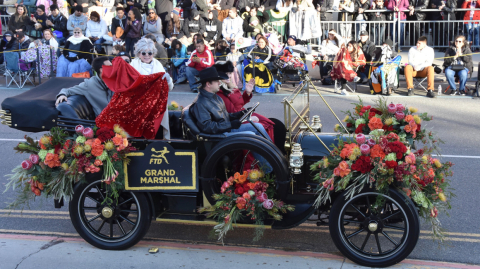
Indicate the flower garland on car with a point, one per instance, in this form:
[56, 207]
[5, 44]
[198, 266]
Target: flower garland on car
[245, 195]
[57, 162]
[385, 159]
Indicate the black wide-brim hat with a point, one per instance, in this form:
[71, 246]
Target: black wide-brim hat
[210, 74]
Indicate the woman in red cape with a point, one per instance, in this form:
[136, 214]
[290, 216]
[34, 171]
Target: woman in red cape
[139, 102]
[346, 63]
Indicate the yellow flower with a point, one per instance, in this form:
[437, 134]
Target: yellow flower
[442, 197]
[254, 175]
[346, 118]
[65, 166]
[123, 134]
[336, 128]
[412, 109]
[174, 104]
[61, 155]
[437, 163]
[109, 145]
[117, 129]
[389, 121]
[424, 159]
[87, 148]
[355, 154]
[325, 162]
[417, 119]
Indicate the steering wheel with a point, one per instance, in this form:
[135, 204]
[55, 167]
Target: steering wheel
[248, 114]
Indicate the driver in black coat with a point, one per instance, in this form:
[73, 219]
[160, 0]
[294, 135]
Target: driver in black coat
[210, 112]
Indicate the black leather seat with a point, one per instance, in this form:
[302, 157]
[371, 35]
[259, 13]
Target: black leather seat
[77, 107]
[176, 124]
[192, 131]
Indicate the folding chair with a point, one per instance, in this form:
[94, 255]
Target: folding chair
[338, 86]
[26, 70]
[12, 69]
[418, 82]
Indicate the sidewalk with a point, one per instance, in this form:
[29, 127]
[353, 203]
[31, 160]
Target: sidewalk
[30, 251]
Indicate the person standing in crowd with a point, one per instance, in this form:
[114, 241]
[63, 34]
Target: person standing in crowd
[346, 8]
[368, 48]
[322, 6]
[153, 25]
[377, 29]
[472, 14]
[246, 5]
[96, 29]
[18, 21]
[200, 59]
[436, 27]
[38, 22]
[251, 29]
[164, 7]
[58, 22]
[360, 7]
[186, 6]
[78, 20]
[213, 29]
[174, 26]
[84, 4]
[415, 10]
[178, 60]
[420, 60]
[448, 9]
[76, 55]
[202, 7]
[162, 55]
[328, 50]
[284, 5]
[223, 7]
[458, 62]
[348, 59]
[232, 26]
[396, 6]
[133, 30]
[193, 25]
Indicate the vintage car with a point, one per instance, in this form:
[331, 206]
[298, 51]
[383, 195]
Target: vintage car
[171, 179]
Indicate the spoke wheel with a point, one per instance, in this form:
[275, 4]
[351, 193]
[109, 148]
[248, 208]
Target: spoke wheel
[374, 229]
[109, 226]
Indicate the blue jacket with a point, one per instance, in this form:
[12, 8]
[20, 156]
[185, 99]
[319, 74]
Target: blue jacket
[181, 56]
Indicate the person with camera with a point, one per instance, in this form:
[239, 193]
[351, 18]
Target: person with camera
[200, 59]
[458, 62]
[420, 60]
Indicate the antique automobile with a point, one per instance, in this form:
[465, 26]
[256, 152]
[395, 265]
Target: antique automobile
[171, 179]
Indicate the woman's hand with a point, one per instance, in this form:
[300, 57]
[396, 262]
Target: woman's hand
[249, 86]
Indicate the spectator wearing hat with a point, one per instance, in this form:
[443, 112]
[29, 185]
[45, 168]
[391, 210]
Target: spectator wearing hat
[377, 29]
[252, 24]
[58, 22]
[296, 50]
[246, 5]
[232, 26]
[124, 55]
[77, 20]
[162, 55]
[194, 25]
[200, 59]
[96, 29]
[213, 28]
[23, 42]
[9, 42]
[420, 60]
[368, 48]
[38, 22]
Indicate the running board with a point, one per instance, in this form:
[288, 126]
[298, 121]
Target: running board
[190, 220]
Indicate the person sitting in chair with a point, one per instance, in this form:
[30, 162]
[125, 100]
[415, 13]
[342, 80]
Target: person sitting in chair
[94, 89]
[420, 60]
[210, 112]
[458, 62]
[76, 55]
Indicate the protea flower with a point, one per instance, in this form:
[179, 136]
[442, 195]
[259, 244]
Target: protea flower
[88, 132]
[400, 108]
[371, 142]
[109, 145]
[27, 164]
[392, 108]
[262, 197]
[79, 129]
[34, 158]
[365, 149]
[399, 115]
[268, 204]
[360, 138]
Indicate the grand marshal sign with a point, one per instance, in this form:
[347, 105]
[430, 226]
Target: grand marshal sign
[160, 167]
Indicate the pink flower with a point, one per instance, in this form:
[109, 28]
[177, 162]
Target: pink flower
[268, 204]
[365, 149]
[410, 158]
[79, 129]
[27, 164]
[262, 197]
[227, 218]
[371, 142]
[392, 108]
[360, 138]
[225, 185]
[399, 115]
[328, 184]
[400, 108]
[246, 196]
[87, 132]
[34, 158]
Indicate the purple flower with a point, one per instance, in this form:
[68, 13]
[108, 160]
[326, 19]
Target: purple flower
[268, 204]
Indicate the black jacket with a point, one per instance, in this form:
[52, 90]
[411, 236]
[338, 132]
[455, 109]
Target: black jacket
[449, 8]
[59, 24]
[202, 7]
[418, 5]
[378, 16]
[10, 45]
[226, 4]
[261, 19]
[116, 23]
[368, 49]
[466, 59]
[193, 26]
[324, 6]
[213, 28]
[435, 15]
[23, 46]
[211, 114]
[358, 5]
[22, 23]
[247, 3]
[86, 46]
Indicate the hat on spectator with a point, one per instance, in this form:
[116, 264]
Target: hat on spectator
[363, 33]
[78, 8]
[124, 53]
[209, 74]
[8, 33]
[42, 7]
[293, 37]
[224, 67]
[176, 11]
[389, 42]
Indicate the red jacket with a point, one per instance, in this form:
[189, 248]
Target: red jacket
[476, 15]
[206, 60]
[235, 101]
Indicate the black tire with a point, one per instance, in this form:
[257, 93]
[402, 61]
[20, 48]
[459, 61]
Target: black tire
[360, 211]
[245, 142]
[132, 210]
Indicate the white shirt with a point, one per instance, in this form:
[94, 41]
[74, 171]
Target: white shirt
[420, 59]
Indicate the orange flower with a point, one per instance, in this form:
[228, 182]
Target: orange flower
[408, 118]
[377, 152]
[348, 150]
[375, 123]
[125, 142]
[252, 185]
[236, 176]
[52, 160]
[97, 142]
[97, 150]
[408, 129]
[117, 140]
[343, 168]
[89, 142]
[243, 178]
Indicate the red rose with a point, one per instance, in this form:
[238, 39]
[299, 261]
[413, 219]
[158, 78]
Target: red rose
[363, 165]
[371, 115]
[376, 111]
[391, 164]
[239, 190]
[105, 134]
[418, 127]
[397, 147]
[359, 128]
[349, 125]
[387, 128]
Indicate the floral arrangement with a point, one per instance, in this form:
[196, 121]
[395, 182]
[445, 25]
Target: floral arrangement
[57, 162]
[385, 159]
[247, 195]
[174, 106]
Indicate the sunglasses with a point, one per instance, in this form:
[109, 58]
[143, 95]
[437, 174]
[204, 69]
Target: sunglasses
[145, 53]
[151, 12]
[458, 41]
[77, 32]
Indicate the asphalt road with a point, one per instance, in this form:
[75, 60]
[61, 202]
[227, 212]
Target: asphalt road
[456, 121]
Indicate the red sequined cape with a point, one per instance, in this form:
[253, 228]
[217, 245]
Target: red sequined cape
[139, 102]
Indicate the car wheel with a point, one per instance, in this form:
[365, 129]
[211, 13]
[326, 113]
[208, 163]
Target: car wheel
[115, 226]
[374, 229]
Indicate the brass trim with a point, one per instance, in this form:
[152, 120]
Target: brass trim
[208, 222]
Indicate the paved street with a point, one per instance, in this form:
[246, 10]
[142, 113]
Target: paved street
[456, 121]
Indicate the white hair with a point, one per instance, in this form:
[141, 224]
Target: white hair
[145, 44]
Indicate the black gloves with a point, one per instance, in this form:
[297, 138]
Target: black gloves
[235, 124]
[237, 115]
